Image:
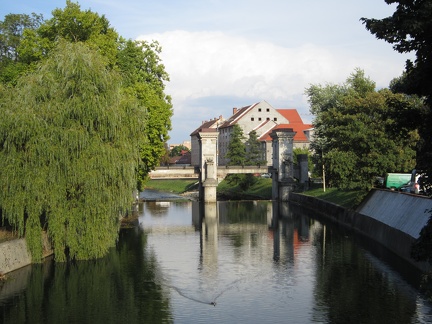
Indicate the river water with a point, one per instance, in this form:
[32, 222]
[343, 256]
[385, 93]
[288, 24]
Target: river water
[229, 262]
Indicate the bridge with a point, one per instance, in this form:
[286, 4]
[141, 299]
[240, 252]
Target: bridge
[191, 172]
[209, 174]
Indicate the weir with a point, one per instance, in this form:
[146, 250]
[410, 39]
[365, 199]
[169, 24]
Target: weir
[282, 168]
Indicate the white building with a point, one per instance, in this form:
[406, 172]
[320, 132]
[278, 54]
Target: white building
[262, 118]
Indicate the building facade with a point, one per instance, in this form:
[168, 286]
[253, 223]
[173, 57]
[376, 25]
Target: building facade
[260, 117]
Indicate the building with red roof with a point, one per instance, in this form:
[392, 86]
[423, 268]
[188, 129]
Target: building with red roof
[260, 117]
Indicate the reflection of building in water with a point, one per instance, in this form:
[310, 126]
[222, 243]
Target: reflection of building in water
[265, 228]
[209, 239]
[292, 233]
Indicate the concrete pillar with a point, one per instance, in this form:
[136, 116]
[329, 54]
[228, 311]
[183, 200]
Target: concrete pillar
[283, 181]
[208, 157]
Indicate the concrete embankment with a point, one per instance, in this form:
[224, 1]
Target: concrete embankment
[390, 218]
[14, 254]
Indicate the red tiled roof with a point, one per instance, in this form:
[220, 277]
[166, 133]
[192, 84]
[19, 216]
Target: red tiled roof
[291, 115]
[298, 128]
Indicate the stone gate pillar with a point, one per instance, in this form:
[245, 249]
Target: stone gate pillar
[208, 164]
[283, 181]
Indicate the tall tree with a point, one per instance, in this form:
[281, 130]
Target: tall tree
[409, 29]
[355, 135]
[143, 73]
[69, 147]
[236, 148]
[11, 35]
[254, 154]
[144, 77]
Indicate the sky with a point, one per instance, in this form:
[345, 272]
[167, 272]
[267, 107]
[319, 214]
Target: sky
[222, 54]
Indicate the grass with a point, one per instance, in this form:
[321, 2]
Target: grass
[260, 189]
[348, 199]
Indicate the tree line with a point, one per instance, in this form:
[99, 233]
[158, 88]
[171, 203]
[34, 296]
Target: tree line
[361, 132]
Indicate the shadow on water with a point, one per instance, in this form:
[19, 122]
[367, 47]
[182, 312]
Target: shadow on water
[119, 288]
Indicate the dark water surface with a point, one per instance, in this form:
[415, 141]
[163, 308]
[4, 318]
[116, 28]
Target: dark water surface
[230, 262]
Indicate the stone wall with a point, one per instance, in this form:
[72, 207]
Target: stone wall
[15, 255]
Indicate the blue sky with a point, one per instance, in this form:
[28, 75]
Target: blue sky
[222, 54]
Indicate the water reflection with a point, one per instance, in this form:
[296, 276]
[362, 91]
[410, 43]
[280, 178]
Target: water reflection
[117, 289]
[224, 262]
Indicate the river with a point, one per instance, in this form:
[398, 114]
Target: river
[229, 262]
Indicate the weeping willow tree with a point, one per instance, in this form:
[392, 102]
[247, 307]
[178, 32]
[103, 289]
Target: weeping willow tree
[69, 148]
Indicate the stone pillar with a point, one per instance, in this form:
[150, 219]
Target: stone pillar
[208, 177]
[283, 181]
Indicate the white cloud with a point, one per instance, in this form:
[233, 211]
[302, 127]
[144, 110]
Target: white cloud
[207, 65]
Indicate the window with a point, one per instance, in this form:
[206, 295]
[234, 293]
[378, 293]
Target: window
[275, 119]
[252, 119]
[259, 118]
[268, 109]
[259, 109]
[268, 118]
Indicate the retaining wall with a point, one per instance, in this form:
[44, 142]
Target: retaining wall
[390, 218]
[15, 255]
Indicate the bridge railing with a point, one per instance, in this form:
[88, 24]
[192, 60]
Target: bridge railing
[175, 172]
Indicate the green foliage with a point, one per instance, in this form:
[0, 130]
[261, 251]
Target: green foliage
[138, 62]
[236, 148]
[144, 77]
[311, 167]
[254, 154]
[176, 150]
[12, 29]
[357, 136]
[69, 144]
[409, 30]
[81, 131]
[75, 25]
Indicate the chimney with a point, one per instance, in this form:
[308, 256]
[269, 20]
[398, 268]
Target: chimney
[234, 110]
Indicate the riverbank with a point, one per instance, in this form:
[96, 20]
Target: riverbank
[389, 218]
